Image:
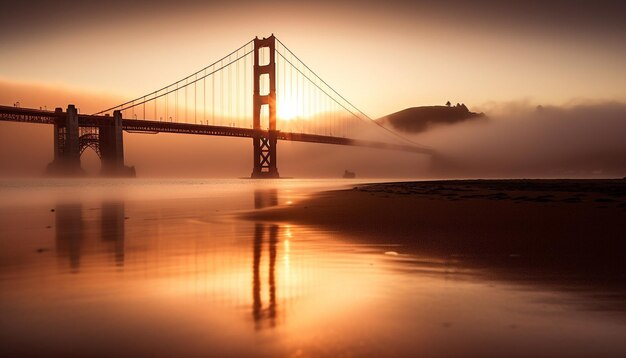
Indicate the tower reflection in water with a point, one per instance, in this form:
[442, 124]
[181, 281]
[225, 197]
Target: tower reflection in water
[112, 228]
[73, 231]
[83, 234]
[69, 233]
[264, 199]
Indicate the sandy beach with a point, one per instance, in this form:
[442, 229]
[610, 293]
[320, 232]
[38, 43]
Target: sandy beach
[512, 217]
[446, 269]
[565, 232]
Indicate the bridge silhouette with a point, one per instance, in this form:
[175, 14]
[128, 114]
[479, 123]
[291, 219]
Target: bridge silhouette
[252, 92]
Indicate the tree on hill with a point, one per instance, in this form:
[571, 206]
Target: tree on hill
[448, 104]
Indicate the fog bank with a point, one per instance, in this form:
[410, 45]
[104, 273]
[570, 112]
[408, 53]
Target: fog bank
[522, 140]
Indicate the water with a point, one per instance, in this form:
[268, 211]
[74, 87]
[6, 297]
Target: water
[167, 268]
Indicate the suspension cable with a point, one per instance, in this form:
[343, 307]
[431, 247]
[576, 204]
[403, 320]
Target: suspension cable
[177, 82]
[340, 96]
[168, 92]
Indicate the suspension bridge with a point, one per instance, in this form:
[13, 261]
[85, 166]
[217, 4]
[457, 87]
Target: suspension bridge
[262, 90]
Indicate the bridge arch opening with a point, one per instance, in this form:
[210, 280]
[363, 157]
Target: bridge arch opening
[91, 162]
[89, 151]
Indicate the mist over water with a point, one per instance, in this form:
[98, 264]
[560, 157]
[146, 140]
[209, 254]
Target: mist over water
[522, 140]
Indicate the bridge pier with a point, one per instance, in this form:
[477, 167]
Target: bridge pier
[264, 142]
[111, 143]
[66, 145]
[69, 145]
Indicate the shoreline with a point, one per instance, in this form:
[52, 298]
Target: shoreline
[481, 211]
[567, 234]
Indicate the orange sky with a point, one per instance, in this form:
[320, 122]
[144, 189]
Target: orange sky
[383, 56]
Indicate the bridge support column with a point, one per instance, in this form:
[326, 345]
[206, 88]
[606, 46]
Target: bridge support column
[111, 142]
[264, 142]
[66, 144]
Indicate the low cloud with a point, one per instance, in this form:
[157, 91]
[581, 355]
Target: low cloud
[522, 140]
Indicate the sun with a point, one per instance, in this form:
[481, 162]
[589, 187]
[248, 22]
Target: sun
[287, 110]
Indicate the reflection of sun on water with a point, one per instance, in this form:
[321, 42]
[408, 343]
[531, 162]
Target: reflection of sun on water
[287, 250]
[286, 258]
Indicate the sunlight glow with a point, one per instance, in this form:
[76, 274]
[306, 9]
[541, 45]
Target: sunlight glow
[287, 110]
[287, 264]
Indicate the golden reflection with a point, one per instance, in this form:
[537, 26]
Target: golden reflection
[182, 259]
[301, 291]
[287, 250]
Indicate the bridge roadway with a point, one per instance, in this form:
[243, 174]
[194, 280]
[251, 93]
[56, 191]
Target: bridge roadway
[30, 115]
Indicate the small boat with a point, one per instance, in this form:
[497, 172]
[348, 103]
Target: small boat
[348, 174]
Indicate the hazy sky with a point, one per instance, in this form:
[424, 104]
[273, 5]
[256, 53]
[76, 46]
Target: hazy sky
[384, 56]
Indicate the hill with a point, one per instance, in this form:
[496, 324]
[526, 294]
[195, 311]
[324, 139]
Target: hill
[420, 119]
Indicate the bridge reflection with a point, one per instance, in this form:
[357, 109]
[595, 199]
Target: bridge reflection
[69, 233]
[91, 232]
[72, 230]
[263, 199]
[112, 228]
[259, 313]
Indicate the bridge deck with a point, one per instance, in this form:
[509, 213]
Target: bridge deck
[29, 115]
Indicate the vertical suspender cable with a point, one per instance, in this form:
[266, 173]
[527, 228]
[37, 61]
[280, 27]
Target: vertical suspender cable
[221, 91]
[244, 95]
[283, 93]
[176, 103]
[213, 97]
[229, 82]
[237, 89]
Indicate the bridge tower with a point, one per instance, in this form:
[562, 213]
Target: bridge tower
[264, 142]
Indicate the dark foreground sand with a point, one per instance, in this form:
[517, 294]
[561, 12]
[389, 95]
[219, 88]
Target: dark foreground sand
[560, 230]
[513, 217]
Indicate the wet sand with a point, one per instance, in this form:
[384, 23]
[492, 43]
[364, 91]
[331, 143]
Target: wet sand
[570, 234]
[168, 268]
[512, 217]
